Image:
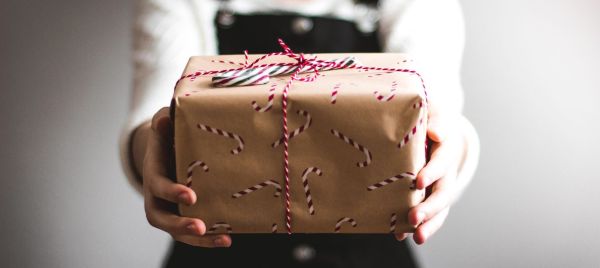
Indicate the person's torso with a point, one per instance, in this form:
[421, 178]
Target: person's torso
[258, 33]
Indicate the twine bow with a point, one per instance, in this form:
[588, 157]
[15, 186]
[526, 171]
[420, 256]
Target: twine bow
[255, 73]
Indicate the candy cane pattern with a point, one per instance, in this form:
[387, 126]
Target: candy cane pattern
[225, 134]
[269, 101]
[373, 75]
[334, 93]
[217, 225]
[274, 228]
[258, 187]
[378, 74]
[355, 145]
[418, 105]
[412, 131]
[390, 96]
[407, 175]
[316, 170]
[341, 221]
[190, 171]
[297, 131]
[393, 223]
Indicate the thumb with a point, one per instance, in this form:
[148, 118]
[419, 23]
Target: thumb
[441, 127]
[437, 129]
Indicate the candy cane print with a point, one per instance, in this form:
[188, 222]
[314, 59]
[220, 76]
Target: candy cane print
[334, 93]
[390, 96]
[190, 170]
[378, 74]
[269, 101]
[418, 105]
[356, 145]
[274, 228]
[225, 134]
[258, 187]
[316, 170]
[407, 175]
[412, 131]
[297, 131]
[217, 225]
[341, 221]
[393, 223]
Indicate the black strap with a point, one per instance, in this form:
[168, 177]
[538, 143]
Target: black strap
[259, 33]
[367, 2]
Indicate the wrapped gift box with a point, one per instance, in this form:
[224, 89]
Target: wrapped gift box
[357, 138]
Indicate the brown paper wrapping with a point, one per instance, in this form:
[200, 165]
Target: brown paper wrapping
[341, 191]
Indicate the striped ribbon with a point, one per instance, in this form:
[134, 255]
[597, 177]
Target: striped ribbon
[260, 72]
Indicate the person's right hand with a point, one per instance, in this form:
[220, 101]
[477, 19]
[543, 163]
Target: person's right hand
[162, 194]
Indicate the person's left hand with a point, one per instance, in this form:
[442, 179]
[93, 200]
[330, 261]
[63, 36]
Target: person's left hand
[438, 177]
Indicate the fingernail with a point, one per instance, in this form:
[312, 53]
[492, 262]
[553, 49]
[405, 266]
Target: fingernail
[219, 242]
[425, 181]
[420, 217]
[183, 197]
[191, 227]
[401, 237]
[424, 236]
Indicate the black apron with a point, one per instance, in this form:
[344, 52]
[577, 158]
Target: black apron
[258, 34]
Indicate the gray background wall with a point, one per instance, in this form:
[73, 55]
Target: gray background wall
[532, 90]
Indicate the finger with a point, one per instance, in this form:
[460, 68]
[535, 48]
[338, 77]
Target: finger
[444, 157]
[159, 150]
[220, 240]
[401, 236]
[164, 188]
[159, 216]
[158, 155]
[428, 228]
[156, 178]
[161, 124]
[440, 199]
[435, 129]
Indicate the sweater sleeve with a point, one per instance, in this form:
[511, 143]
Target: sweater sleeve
[432, 31]
[165, 34]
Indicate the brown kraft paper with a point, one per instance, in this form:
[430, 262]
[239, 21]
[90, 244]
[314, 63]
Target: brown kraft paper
[211, 124]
